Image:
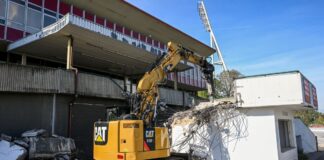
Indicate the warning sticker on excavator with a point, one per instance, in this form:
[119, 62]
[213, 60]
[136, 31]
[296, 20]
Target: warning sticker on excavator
[101, 133]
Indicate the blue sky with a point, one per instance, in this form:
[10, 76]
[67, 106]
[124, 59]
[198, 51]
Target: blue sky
[256, 36]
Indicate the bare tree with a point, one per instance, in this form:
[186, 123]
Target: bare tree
[224, 83]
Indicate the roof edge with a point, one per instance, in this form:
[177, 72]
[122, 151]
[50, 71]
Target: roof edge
[166, 24]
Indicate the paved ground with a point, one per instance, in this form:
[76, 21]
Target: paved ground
[319, 132]
[316, 156]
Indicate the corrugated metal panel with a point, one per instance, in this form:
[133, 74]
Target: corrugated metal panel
[16, 78]
[99, 86]
[171, 96]
[188, 100]
[28, 79]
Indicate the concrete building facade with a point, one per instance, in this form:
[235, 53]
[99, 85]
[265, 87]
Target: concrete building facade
[44, 85]
[260, 127]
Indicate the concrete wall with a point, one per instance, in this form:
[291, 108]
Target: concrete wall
[20, 112]
[253, 134]
[308, 138]
[31, 79]
[261, 142]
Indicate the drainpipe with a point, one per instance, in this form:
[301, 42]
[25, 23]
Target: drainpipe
[23, 59]
[175, 82]
[69, 66]
[53, 113]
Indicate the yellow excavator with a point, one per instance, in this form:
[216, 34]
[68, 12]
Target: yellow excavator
[135, 137]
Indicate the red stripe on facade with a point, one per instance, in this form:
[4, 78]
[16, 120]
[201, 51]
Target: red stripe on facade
[135, 35]
[142, 38]
[51, 5]
[37, 2]
[100, 21]
[156, 43]
[77, 11]
[149, 40]
[2, 30]
[162, 45]
[64, 8]
[14, 34]
[89, 16]
[109, 24]
[119, 28]
[127, 31]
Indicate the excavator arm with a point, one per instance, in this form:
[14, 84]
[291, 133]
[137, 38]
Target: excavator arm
[147, 89]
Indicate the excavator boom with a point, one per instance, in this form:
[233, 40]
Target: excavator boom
[147, 87]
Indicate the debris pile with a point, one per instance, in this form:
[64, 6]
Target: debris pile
[205, 130]
[36, 144]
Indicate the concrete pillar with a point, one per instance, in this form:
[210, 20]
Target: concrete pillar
[175, 84]
[8, 57]
[23, 59]
[53, 113]
[69, 53]
[127, 85]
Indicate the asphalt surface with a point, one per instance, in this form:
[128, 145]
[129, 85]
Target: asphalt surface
[319, 132]
[320, 137]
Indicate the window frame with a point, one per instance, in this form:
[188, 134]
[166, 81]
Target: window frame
[22, 28]
[32, 27]
[44, 14]
[4, 10]
[287, 132]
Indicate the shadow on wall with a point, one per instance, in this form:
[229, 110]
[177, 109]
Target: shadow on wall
[208, 136]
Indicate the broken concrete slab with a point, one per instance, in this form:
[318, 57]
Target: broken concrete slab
[35, 133]
[51, 147]
[11, 151]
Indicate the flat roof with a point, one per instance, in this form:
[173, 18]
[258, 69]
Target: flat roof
[126, 14]
[270, 74]
[93, 47]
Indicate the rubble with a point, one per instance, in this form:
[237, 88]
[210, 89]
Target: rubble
[35, 133]
[36, 144]
[204, 130]
[11, 151]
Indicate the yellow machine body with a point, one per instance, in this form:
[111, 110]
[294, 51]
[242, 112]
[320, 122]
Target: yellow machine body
[129, 140]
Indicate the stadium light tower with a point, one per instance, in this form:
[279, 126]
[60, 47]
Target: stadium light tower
[213, 43]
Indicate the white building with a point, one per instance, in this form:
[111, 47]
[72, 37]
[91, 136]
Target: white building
[263, 127]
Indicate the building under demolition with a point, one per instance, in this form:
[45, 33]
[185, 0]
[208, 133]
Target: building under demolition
[64, 62]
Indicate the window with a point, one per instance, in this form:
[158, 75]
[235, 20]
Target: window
[48, 20]
[16, 15]
[34, 23]
[2, 9]
[285, 134]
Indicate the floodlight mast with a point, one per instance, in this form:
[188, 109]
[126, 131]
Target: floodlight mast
[213, 43]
